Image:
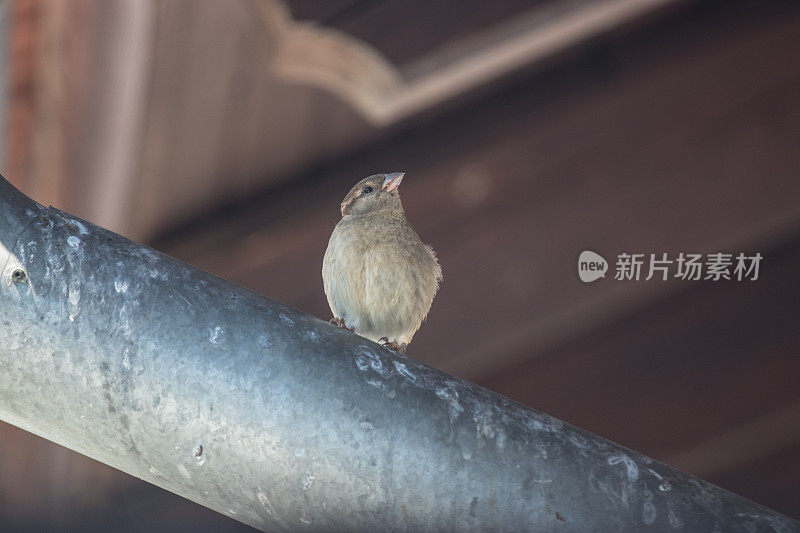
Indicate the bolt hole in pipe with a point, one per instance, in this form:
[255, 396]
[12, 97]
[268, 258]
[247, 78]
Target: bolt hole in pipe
[198, 454]
[44, 222]
[19, 276]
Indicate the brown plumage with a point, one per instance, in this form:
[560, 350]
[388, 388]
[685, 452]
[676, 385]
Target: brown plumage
[379, 277]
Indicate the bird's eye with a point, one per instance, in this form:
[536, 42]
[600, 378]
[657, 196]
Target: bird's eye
[367, 189]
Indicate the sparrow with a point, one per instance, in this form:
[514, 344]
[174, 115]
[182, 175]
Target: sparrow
[379, 277]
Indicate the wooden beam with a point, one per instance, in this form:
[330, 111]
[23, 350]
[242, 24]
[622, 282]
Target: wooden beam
[384, 95]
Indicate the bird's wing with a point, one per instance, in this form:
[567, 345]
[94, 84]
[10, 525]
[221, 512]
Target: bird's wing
[399, 288]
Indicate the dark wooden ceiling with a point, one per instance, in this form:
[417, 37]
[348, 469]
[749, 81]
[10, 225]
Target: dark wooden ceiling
[386, 26]
[128, 113]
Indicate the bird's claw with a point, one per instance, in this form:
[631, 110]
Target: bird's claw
[394, 346]
[338, 322]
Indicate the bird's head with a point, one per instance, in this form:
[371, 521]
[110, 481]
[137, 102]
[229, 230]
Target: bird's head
[374, 193]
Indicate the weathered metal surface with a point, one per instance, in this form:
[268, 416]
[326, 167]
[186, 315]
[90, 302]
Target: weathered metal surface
[283, 421]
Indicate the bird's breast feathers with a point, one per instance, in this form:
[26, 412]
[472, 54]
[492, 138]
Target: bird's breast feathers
[379, 286]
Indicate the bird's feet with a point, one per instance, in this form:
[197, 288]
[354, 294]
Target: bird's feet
[338, 322]
[394, 346]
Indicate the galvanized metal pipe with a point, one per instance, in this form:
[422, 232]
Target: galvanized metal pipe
[282, 421]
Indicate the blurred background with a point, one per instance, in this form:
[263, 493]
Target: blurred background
[227, 133]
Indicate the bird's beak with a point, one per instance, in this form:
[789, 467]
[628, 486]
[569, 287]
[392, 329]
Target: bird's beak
[392, 181]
